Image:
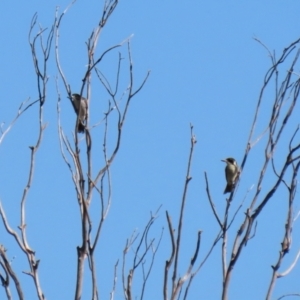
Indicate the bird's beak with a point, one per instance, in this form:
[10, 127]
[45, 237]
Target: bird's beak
[224, 160]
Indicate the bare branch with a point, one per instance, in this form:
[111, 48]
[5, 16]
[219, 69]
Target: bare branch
[212, 205]
[112, 293]
[180, 222]
[7, 267]
[139, 256]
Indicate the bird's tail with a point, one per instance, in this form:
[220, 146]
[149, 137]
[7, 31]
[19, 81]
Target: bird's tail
[229, 188]
[81, 127]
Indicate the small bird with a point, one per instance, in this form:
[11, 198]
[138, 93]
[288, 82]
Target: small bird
[83, 104]
[231, 174]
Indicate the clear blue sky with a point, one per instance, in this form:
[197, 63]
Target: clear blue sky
[206, 69]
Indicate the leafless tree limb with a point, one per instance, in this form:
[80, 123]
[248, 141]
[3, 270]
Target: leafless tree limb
[177, 283]
[180, 223]
[287, 238]
[103, 176]
[170, 261]
[9, 273]
[112, 294]
[40, 67]
[211, 202]
[146, 274]
[286, 93]
[20, 112]
[288, 295]
[139, 258]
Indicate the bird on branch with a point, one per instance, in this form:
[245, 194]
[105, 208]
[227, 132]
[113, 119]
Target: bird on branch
[231, 174]
[80, 105]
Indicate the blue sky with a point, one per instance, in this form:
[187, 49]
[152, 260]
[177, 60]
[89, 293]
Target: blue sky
[206, 69]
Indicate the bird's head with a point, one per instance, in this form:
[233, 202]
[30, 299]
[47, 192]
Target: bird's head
[76, 102]
[230, 161]
[75, 97]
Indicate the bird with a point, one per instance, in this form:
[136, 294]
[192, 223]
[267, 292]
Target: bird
[80, 102]
[231, 174]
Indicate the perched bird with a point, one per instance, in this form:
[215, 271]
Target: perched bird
[83, 104]
[231, 174]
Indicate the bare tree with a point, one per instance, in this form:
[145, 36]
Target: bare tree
[145, 248]
[118, 104]
[92, 181]
[102, 180]
[283, 106]
[40, 66]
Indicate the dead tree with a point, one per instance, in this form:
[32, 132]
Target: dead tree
[85, 183]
